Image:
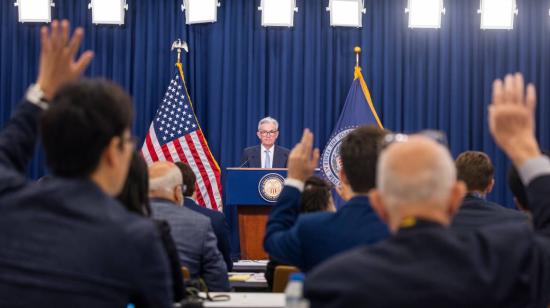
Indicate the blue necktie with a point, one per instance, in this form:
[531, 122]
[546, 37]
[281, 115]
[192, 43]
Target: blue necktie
[267, 163]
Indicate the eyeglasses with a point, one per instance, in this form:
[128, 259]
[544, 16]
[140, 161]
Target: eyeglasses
[435, 135]
[268, 133]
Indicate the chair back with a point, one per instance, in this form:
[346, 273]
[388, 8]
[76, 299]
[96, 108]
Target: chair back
[281, 275]
[185, 273]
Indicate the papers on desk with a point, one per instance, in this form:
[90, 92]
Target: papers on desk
[247, 280]
[250, 265]
[246, 300]
[239, 277]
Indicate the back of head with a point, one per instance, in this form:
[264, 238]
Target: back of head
[165, 182]
[82, 119]
[359, 155]
[189, 178]
[135, 193]
[316, 195]
[475, 169]
[415, 172]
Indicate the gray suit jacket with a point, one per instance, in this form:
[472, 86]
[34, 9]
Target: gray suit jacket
[196, 243]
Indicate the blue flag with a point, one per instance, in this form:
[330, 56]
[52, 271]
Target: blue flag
[358, 110]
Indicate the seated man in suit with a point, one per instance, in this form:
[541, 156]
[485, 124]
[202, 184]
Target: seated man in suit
[192, 232]
[267, 154]
[217, 219]
[66, 242]
[309, 239]
[476, 171]
[425, 264]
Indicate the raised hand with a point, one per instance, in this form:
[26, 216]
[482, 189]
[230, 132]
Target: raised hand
[512, 118]
[303, 159]
[57, 57]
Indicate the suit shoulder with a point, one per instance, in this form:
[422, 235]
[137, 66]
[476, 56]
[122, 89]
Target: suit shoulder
[282, 149]
[251, 149]
[314, 219]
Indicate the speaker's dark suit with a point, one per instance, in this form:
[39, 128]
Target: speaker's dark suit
[428, 265]
[65, 243]
[476, 212]
[252, 157]
[309, 239]
[221, 229]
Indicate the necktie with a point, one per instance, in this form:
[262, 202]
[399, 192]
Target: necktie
[267, 163]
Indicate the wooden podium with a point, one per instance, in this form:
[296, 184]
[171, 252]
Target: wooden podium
[242, 188]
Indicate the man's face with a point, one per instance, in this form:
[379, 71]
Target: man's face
[268, 134]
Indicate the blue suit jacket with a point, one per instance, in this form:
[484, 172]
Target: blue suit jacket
[476, 212]
[252, 157]
[221, 229]
[309, 239]
[196, 243]
[64, 243]
[428, 265]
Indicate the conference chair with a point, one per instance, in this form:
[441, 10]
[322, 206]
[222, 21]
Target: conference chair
[281, 275]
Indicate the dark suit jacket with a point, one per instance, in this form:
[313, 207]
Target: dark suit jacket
[175, 266]
[196, 243]
[476, 212]
[252, 157]
[310, 239]
[428, 265]
[64, 243]
[221, 229]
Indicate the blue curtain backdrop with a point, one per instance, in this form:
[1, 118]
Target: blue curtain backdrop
[238, 72]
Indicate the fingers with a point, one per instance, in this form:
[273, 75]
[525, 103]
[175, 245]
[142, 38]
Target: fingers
[519, 88]
[45, 39]
[54, 35]
[509, 88]
[64, 35]
[74, 44]
[498, 92]
[83, 62]
[531, 100]
[315, 158]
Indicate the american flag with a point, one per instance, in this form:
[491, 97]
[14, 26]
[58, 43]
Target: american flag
[175, 135]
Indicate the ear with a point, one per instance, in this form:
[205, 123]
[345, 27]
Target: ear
[178, 195]
[259, 135]
[457, 195]
[490, 187]
[343, 177]
[378, 206]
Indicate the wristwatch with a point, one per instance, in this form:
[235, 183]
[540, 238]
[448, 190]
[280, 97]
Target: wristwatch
[35, 95]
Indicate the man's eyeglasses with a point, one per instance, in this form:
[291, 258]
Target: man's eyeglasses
[267, 133]
[435, 135]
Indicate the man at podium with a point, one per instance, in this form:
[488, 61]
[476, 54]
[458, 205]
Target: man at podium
[267, 154]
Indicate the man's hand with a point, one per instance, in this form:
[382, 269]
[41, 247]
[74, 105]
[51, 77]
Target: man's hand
[303, 159]
[57, 57]
[512, 118]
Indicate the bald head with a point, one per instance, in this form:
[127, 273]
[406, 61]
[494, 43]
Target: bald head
[165, 181]
[417, 178]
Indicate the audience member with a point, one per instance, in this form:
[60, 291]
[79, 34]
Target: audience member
[66, 242]
[217, 219]
[310, 239]
[192, 232]
[476, 171]
[426, 265]
[135, 196]
[518, 189]
[316, 197]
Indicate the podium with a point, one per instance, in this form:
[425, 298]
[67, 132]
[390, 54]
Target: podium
[253, 191]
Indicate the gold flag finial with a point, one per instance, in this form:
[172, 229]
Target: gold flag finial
[357, 51]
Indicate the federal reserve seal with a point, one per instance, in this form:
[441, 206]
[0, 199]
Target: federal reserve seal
[271, 186]
[330, 160]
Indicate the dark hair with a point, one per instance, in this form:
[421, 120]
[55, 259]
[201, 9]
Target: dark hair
[516, 186]
[359, 154]
[316, 195]
[82, 119]
[135, 193]
[475, 169]
[189, 178]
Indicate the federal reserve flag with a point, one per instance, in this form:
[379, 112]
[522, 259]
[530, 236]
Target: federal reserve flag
[175, 135]
[358, 110]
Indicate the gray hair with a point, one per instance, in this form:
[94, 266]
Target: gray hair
[267, 120]
[168, 181]
[432, 181]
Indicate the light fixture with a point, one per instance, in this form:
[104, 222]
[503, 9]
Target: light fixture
[425, 13]
[346, 13]
[108, 11]
[35, 10]
[498, 14]
[200, 11]
[278, 13]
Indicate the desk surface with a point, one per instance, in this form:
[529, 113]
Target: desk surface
[250, 265]
[249, 300]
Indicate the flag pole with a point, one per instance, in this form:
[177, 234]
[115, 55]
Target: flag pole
[178, 45]
[357, 51]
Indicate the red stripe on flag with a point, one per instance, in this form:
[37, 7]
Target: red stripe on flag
[150, 147]
[213, 164]
[183, 158]
[202, 169]
[166, 152]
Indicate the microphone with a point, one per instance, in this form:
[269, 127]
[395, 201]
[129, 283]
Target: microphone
[245, 163]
